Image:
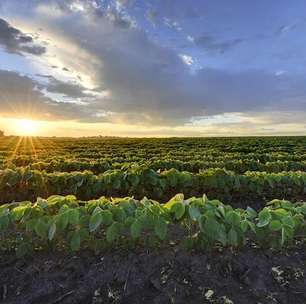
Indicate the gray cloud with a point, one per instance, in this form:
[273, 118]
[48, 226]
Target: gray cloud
[285, 28]
[68, 89]
[209, 43]
[20, 97]
[15, 41]
[148, 83]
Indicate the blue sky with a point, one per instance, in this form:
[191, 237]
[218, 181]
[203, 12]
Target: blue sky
[154, 68]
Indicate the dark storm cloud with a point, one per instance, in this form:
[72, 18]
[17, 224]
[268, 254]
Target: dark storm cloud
[15, 41]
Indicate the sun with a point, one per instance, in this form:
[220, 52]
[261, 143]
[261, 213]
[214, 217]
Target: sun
[26, 127]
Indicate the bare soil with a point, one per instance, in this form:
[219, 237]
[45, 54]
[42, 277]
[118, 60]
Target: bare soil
[170, 275]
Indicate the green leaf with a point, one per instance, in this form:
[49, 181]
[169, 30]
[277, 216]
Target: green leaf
[112, 232]
[286, 204]
[95, 221]
[107, 217]
[118, 214]
[97, 210]
[30, 225]
[251, 212]
[160, 228]
[275, 203]
[270, 181]
[134, 179]
[280, 212]
[233, 237]
[178, 209]
[75, 242]
[51, 232]
[275, 225]
[55, 199]
[63, 220]
[264, 218]
[136, 229]
[40, 228]
[288, 221]
[18, 212]
[222, 236]
[74, 216]
[221, 211]
[42, 203]
[233, 218]
[194, 212]
[177, 198]
[4, 222]
[244, 225]
[211, 228]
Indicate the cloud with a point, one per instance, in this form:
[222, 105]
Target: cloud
[20, 97]
[209, 43]
[139, 81]
[67, 89]
[17, 42]
[187, 59]
[288, 27]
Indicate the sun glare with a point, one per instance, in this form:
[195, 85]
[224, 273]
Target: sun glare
[26, 127]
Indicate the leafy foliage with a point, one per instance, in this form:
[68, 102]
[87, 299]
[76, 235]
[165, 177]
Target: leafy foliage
[217, 183]
[65, 223]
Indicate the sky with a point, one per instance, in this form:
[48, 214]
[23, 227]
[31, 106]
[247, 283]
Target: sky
[153, 68]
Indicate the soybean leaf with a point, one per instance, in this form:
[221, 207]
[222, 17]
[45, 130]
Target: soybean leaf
[178, 209]
[233, 237]
[288, 221]
[244, 225]
[251, 212]
[95, 221]
[194, 212]
[275, 225]
[112, 232]
[51, 232]
[136, 229]
[107, 217]
[74, 216]
[63, 220]
[233, 218]
[264, 218]
[40, 228]
[160, 228]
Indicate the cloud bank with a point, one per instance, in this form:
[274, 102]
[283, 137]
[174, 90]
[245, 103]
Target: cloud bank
[109, 69]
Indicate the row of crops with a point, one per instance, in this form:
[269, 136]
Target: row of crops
[61, 223]
[238, 166]
[51, 191]
[216, 183]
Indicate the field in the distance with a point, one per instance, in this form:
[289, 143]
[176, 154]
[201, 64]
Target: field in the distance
[176, 220]
[236, 170]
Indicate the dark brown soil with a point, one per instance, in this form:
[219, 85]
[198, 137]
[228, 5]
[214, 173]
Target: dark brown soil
[164, 276]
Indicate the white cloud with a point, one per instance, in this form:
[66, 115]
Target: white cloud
[186, 59]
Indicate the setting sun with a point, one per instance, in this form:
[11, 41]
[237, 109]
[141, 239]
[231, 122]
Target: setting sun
[26, 127]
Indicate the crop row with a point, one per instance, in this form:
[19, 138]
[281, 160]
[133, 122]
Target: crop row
[116, 156]
[24, 184]
[238, 166]
[64, 223]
